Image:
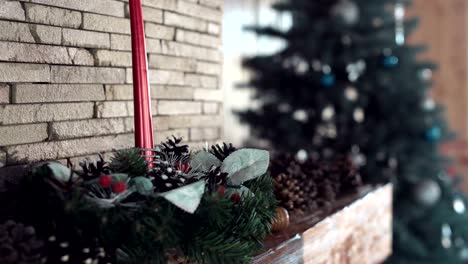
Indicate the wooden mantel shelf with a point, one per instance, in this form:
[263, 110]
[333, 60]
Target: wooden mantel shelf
[358, 230]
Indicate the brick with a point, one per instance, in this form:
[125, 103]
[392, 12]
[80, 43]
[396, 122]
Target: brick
[161, 136]
[72, 74]
[181, 21]
[82, 38]
[161, 77]
[171, 92]
[19, 72]
[181, 121]
[114, 109]
[214, 29]
[212, 3]
[81, 57]
[197, 38]
[41, 93]
[22, 52]
[34, 113]
[201, 81]
[106, 23]
[67, 148]
[12, 31]
[208, 95]
[106, 7]
[12, 10]
[166, 77]
[185, 50]
[21, 134]
[199, 11]
[178, 107]
[162, 4]
[153, 45]
[3, 159]
[121, 42]
[4, 93]
[207, 133]
[113, 58]
[172, 63]
[46, 34]
[89, 128]
[209, 68]
[152, 14]
[159, 31]
[52, 16]
[119, 92]
[210, 108]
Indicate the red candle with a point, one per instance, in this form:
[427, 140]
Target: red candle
[141, 92]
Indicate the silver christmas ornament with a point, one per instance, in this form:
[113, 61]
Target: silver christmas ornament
[359, 159]
[425, 74]
[346, 40]
[358, 115]
[347, 11]
[427, 192]
[446, 235]
[459, 205]
[399, 14]
[316, 65]
[355, 70]
[302, 155]
[326, 69]
[302, 67]
[429, 104]
[464, 254]
[284, 108]
[328, 113]
[300, 115]
[351, 93]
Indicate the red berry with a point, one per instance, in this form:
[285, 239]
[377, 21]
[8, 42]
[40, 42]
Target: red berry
[221, 191]
[119, 187]
[105, 181]
[236, 197]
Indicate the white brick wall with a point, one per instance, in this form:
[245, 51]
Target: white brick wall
[66, 76]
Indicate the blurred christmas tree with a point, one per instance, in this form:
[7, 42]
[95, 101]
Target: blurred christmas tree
[346, 82]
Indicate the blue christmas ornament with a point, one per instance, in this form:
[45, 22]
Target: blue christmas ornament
[434, 133]
[328, 80]
[390, 61]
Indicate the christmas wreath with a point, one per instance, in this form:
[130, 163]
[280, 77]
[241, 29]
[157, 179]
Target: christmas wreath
[211, 206]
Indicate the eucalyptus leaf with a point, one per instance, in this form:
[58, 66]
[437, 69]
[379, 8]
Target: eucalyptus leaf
[60, 172]
[187, 197]
[143, 185]
[246, 164]
[203, 161]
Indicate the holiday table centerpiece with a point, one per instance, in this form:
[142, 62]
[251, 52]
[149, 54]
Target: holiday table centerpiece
[211, 206]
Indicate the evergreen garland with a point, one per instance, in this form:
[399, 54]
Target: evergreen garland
[112, 212]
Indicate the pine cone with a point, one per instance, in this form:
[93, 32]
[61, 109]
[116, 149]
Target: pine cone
[215, 178]
[295, 187]
[173, 147]
[19, 244]
[221, 152]
[165, 177]
[343, 170]
[94, 170]
[308, 185]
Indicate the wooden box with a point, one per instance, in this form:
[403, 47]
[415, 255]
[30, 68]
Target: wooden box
[357, 230]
